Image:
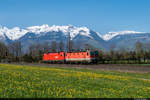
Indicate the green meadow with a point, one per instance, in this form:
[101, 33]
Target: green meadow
[17, 81]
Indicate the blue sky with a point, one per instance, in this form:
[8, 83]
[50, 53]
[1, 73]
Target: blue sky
[99, 15]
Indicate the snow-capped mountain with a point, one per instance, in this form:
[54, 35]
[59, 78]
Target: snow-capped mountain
[16, 33]
[111, 35]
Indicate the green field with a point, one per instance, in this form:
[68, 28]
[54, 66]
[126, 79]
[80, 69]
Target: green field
[18, 81]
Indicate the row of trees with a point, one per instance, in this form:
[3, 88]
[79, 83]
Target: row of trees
[13, 52]
[139, 54]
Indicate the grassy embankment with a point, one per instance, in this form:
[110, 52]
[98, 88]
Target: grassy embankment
[27, 81]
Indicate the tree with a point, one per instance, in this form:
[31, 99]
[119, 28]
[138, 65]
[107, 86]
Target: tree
[15, 48]
[3, 51]
[27, 58]
[87, 47]
[35, 51]
[100, 56]
[122, 52]
[45, 47]
[106, 56]
[112, 52]
[53, 46]
[133, 56]
[138, 47]
[70, 45]
[61, 46]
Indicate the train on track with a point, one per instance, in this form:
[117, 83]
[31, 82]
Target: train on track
[71, 57]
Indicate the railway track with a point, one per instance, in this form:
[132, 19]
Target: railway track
[112, 67]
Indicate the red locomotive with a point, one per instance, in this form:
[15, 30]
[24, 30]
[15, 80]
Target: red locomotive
[72, 57]
[54, 57]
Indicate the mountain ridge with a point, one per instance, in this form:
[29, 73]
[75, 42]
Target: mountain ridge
[16, 32]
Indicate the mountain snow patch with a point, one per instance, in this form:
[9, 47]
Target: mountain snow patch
[110, 35]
